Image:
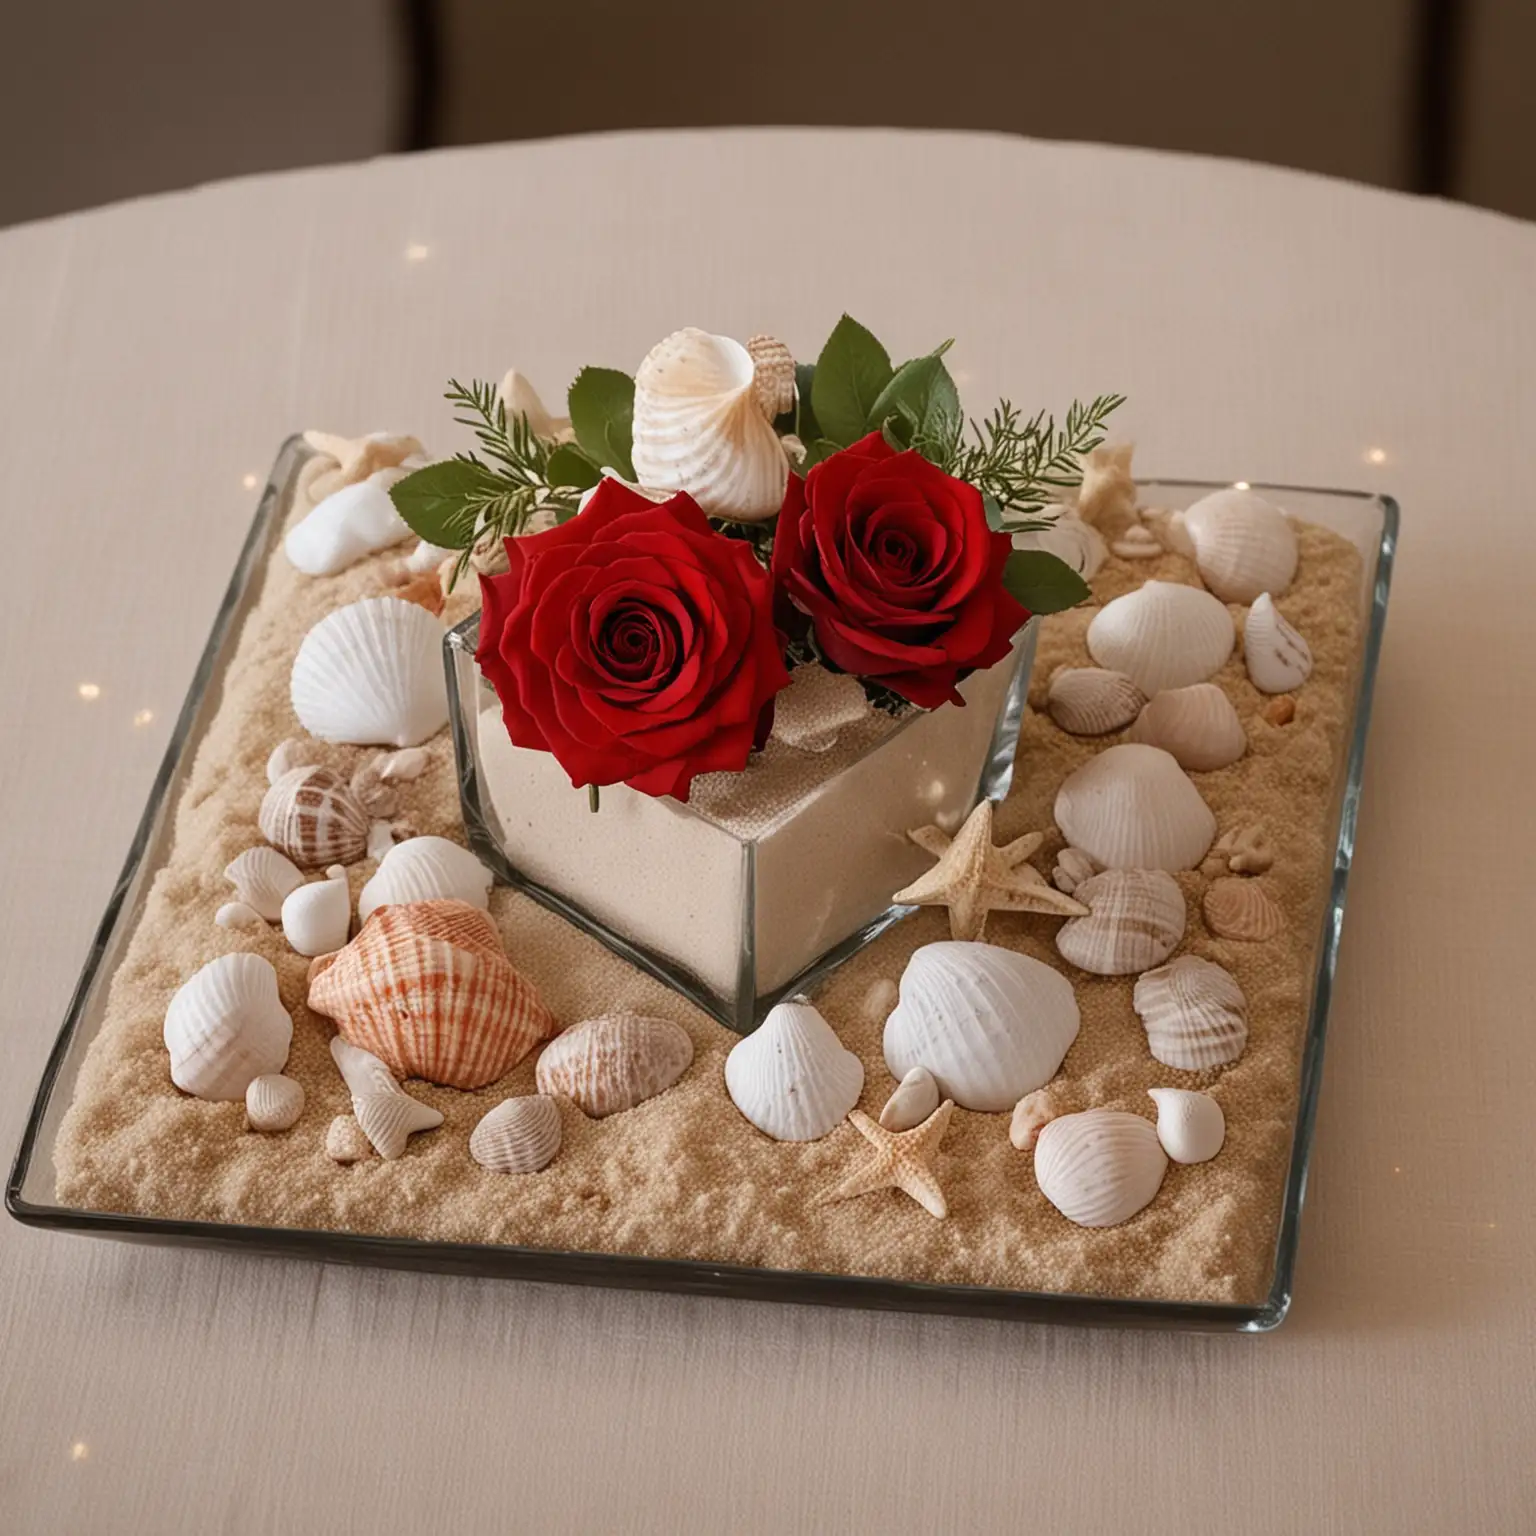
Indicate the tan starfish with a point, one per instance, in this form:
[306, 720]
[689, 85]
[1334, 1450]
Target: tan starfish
[974, 877]
[359, 457]
[903, 1160]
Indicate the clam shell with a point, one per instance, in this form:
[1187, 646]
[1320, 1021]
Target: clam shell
[916, 1097]
[1163, 635]
[1242, 909]
[346, 1141]
[389, 1120]
[698, 428]
[1090, 701]
[1278, 659]
[316, 917]
[426, 869]
[225, 1026]
[1196, 725]
[1099, 1167]
[989, 1024]
[1136, 920]
[262, 877]
[313, 818]
[609, 1064]
[773, 375]
[1132, 807]
[1243, 544]
[1031, 1115]
[791, 1077]
[1138, 542]
[273, 1102]
[1071, 540]
[1190, 1125]
[520, 1135]
[1194, 1014]
[425, 987]
[371, 673]
[348, 524]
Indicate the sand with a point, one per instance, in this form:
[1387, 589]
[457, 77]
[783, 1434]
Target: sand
[684, 1175]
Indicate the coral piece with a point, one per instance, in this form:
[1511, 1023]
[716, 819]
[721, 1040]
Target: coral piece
[1106, 498]
[346, 1141]
[1031, 1115]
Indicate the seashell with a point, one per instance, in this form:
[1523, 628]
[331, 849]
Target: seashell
[1132, 807]
[346, 1141]
[425, 591]
[1099, 1167]
[773, 375]
[235, 914]
[288, 755]
[916, 1097]
[1278, 659]
[520, 398]
[408, 763]
[520, 1135]
[1243, 545]
[426, 987]
[273, 1102]
[362, 1071]
[1138, 542]
[698, 428]
[1190, 1125]
[1107, 495]
[314, 818]
[426, 869]
[371, 673]
[225, 1026]
[1071, 540]
[1194, 1014]
[316, 917]
[1031, 1115]
[989, 1024]
[262, 877]
[425, 558]
[1136, 921]
[610, 1064]
[381, 838]
[1197, 725]
[1280, 711]
[1073, 866]
[1242, 909]
[791, 1077]
[1090, 701]
[1162, 635]
[389, 1120]
[359, 457]
[345, 526]
[879, 999]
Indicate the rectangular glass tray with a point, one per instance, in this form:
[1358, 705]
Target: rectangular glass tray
[1369, 521]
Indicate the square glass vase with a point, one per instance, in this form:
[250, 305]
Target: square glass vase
[765, 880]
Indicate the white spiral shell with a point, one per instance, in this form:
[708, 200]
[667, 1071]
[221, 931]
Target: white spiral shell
[226, 1026]
[1099, 1167]
[791, 1077]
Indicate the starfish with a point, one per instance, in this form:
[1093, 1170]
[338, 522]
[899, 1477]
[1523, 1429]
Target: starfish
[903, 1160]
[974, 877]
[359, 457]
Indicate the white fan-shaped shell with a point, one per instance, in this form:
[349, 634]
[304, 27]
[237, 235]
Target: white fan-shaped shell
[791, 1077]
[316, 917]
[989, 1024]
[520, 1135]
[698, 428]
[1243, 544]
[1162, 635]
[1133, 807]
[1197, 725]
[1099, 1167]
[1190, 1125]
[1278, 658]
[1090, 701]
[1136, 919]
[225, 1026]
[1194, 1013]
[1071, 540]
[273, 1102]
[262, 877]
[355, 521]
[426, 869]
[371, 673]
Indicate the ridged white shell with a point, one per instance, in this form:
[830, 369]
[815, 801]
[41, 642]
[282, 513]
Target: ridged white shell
[520, 1135]
[1194, 1013]
[426, 869]
[316, 917]
[1073, 866]
[1091, 701]
[612, 1063]
[235, 914]
[1133, 807]
[988, 1023]
[273, 1102]
[225, 1026]
[1136, 920]
[1197, 725]
[1072, 541]
[1278, 658]
[1099, 1167]
[791, 1077]
[698, 428]
[371, 673]
[355, 521]
[361, 1070]
[389, 1120]
[1243, 910]
[1243, 544]
[1162, 635]
[262, 877]
[916, 1097]
[1190, 1125]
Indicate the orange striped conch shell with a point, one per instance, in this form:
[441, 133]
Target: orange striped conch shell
[426, 987]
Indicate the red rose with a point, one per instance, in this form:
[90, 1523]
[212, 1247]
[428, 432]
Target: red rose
[634, 643]
[893, 563]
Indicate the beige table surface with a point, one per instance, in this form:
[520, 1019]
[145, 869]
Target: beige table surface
[1265, 325]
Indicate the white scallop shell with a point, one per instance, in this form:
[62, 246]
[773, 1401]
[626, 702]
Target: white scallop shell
[316, 917]
[227, 1025]
[1190, 1125]
[426, 869]
[355, 521]
[1072, 541]
[1278, 658]
[1162, 635]
[1242, 910]
[791, 1077]
[698, 427]
[520, 1135]
[1099, 1167]
[1243, 544]
[235, 914]
[1197, 725]
[262, 877]
[989, 1024]
[371, 673]
[1091, 701]
[273, 1102]
[1136, 919]
[1133, 807]
[1194, 1013]
[916, 1097]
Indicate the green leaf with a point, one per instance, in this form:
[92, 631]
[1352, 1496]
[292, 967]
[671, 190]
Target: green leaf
[1043, 583]
[924, 390]
[807, 429]
[442, 502]
[850, 373]
[568, 465]
[822, 448]
[602, 407]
